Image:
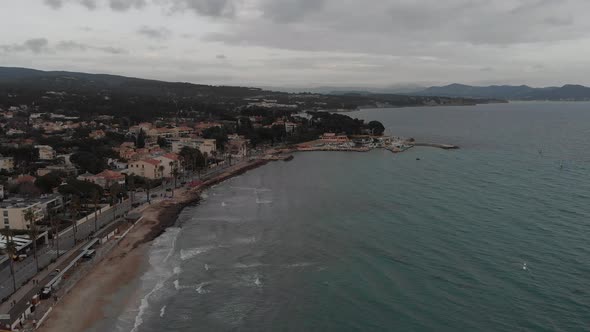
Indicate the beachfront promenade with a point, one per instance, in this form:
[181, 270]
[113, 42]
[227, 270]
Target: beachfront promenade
[30, 283]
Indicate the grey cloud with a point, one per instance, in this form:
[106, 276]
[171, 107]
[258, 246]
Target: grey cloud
[70, 45]
[122, 5]
[215, 8]
[559, 21]
[90, 4]
[35, 45]
[55, 4]
[285, 11]
[111, 50]
[422, 27]
[41, 45]
[159, 33]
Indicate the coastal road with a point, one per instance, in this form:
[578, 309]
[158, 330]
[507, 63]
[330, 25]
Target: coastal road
[27, 269]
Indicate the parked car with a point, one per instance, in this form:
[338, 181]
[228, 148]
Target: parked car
[88, 254]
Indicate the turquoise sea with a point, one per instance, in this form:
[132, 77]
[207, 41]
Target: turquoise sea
[491, 237]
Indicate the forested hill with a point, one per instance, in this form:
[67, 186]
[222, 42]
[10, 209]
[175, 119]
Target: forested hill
[83, 82]
[90, 94]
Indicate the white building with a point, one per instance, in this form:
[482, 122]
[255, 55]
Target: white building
[46, 152]
[207, 146]
[169, 162]
[13, 210]
[7, 164]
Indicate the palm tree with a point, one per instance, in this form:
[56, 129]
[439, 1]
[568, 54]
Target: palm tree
[33, 232]
[214, 153]
[148, 184]
[175, 175]
[55, 226]
[10, 251]
[114, 191]
[131, 184]
[161, 169]
[95, 200]
[74, 211]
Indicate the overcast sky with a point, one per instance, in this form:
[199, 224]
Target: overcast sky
[304, 42]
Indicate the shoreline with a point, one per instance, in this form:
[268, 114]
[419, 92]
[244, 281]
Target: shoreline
[112, 285]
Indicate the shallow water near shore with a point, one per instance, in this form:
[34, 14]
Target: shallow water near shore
[374, 241]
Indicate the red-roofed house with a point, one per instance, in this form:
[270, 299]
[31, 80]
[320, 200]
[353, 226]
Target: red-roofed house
[97, 134]
[107, 178]
[169, 161]
[25, 178]
[148, 168]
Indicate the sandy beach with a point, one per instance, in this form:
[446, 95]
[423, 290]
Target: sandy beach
[112, 285]
[95, 296]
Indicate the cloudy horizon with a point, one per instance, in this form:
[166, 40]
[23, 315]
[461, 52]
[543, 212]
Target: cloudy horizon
[304, 43]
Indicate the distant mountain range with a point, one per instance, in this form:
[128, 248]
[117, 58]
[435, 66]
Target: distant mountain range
[503, 92]
[509, 92]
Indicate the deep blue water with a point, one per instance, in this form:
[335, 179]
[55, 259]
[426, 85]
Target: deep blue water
[383, 242]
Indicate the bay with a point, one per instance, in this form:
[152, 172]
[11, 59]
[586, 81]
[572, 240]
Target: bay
[491, 237]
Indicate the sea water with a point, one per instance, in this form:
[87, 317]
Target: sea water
[491, 237]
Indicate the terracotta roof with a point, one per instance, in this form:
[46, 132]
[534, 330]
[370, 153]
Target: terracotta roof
[151, 161]
[25, 178]
[172, 156]
[110, 175]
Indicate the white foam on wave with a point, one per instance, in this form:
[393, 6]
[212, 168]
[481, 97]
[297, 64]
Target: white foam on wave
[223, 204]
[145, 304]
[177, 270]
[161, 253]
[247, 266]
[204, 196]
[193, 252]
[263, 201]
[228, 219]
[245, 240]
[257, 282]
[163, 311]
[303, 264]
[206, 267]
[252, 188]
[201, 290]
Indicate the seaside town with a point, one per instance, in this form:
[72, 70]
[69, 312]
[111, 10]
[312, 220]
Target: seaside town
[73, 184]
